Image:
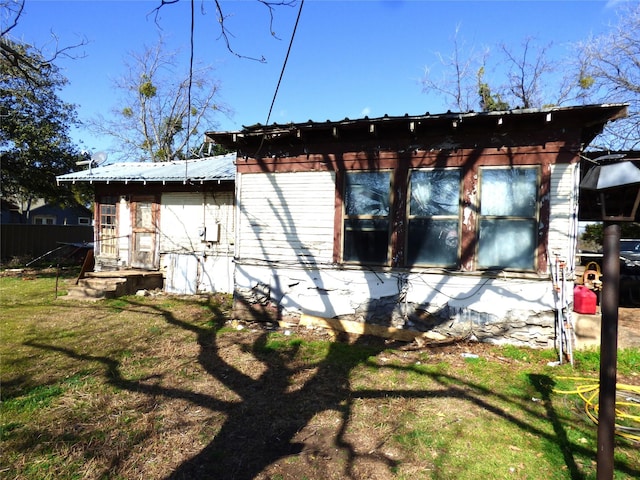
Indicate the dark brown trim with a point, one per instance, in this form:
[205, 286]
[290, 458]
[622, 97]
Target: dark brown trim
[398, 218]
[337, 217]
[470, 165]
[524, 155]
[577, 125]
[470, 199]
[544, 215]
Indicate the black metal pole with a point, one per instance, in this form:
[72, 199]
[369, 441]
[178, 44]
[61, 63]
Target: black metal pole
[608, 350]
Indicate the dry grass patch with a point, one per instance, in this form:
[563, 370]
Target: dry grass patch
[167, 387]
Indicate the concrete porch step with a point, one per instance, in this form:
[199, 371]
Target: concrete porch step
[99, 285]
[97, 288]
[134, 279]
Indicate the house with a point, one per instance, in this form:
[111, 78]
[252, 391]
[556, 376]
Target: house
[48, 214]
[174, 217]
[43, 231]
[42, 213]
[451, 224]
[10, 212]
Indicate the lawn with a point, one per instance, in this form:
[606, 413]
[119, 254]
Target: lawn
[168, 387]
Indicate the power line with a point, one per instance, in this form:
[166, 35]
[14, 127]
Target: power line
[293, 34]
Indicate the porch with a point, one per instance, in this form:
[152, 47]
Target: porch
[112, 284]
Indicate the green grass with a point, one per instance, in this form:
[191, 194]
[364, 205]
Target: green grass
[134, 387]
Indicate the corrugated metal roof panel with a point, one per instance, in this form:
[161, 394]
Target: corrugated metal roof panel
[220, 167]
[620, 109]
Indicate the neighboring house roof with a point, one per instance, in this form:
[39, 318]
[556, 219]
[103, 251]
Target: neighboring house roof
[219, 168]
[10, 212]
[49, 209]
[292, 138]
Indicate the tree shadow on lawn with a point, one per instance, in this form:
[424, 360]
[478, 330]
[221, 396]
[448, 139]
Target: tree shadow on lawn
[261, 428]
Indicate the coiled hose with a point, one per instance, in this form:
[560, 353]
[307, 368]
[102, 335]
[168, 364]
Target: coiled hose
[627, 405]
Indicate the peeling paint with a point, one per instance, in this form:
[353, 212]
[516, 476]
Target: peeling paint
[458, 306]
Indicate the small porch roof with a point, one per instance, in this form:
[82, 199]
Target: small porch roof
[220, 168]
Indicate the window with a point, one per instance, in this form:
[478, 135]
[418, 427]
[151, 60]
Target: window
[366, 217]
[433, 217]
[107, 233]
[44, 220]
[507, 220]
[84, 221]
[429, 217]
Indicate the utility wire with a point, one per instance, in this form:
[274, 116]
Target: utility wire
[284, 65]
[191, 49]
[293, 34]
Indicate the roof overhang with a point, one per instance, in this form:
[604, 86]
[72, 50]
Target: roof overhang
[512, 127]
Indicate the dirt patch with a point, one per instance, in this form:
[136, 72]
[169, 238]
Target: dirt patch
[629, 327]
[164, 387]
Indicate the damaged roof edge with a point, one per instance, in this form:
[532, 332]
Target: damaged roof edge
[598, 115]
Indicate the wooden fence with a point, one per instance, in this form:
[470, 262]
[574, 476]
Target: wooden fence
[23, 243]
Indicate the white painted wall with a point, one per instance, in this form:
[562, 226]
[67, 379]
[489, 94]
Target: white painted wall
[455, 305]
[191, 263]
[124, 232]
[286, 217]
[563, 228]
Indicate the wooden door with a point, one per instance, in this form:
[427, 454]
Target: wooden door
[144, 219]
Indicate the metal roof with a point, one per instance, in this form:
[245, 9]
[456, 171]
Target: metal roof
[258, 129]
[589, 118]
[218, 168]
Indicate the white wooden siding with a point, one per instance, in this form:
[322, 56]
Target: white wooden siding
[287, 217]
[124, 232]
[184, 215]
[563, 212]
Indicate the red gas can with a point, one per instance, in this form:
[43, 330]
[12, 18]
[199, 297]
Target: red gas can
[584, 300]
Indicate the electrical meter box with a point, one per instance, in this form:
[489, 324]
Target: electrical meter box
[210, 233]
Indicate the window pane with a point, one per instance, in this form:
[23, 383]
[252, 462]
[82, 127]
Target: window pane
[433, 242]
[107, 234]
[507, 244]
[367, 193]
[366, 241]
[144, 218]
[435, 192]
[509, 192]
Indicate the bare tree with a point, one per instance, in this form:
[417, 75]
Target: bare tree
[527, 69]
[610, 71]
[160, 109]
[458, 73]
[521, 76]
[30, 67]
[222, 16]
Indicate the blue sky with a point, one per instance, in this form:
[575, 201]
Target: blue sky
[349, 58]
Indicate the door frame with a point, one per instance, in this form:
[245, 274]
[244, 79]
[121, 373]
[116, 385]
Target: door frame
[151, 229]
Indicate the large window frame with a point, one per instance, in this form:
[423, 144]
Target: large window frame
[367, 210]
[508, 218]
[482, 227]
[434, 207]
